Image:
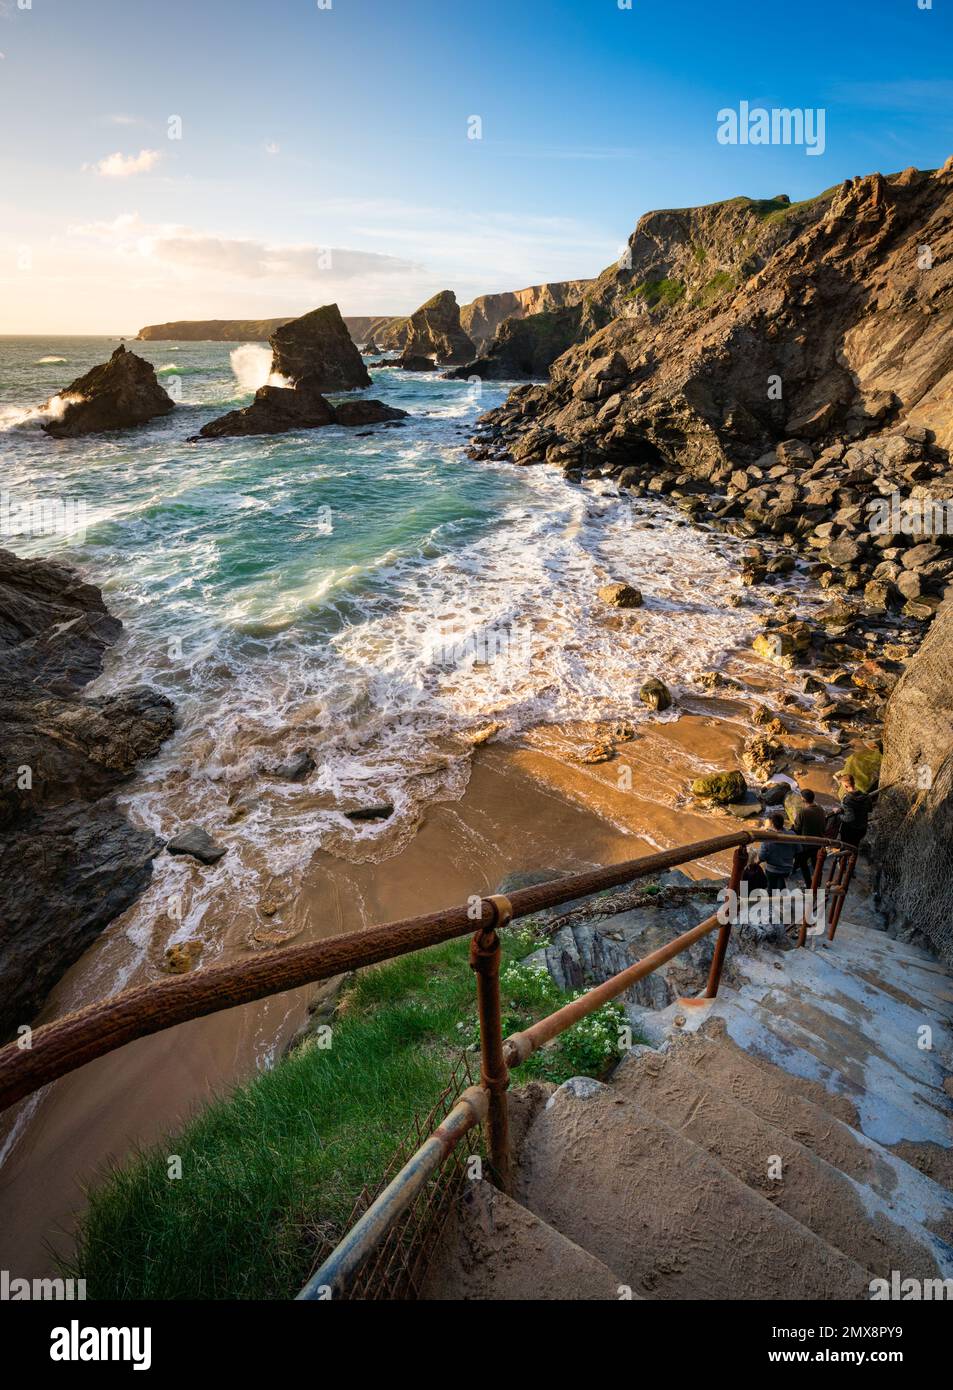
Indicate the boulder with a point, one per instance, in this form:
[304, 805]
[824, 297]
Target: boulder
[724, 788]
[318, 348]
[912, 827]
[655, 694]
[366, 412]
[197, 843]
[114, 396]
[275, 410]
[619, 595]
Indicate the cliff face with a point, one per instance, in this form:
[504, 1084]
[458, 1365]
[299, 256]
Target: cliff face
[912, 835]
[69, 860]
[689, 258]
[482, 318]
[842, 328]
[243, 330]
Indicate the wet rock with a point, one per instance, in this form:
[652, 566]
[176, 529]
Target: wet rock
[69, 860]
[197, 843]
[723, 788]
[382, 811]
[656, 694]
[180, 958]
[298, 768]
[619, 595]
[121, 393]
[317, 348]
[365, 412]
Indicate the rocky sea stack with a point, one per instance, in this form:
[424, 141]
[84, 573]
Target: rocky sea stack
[317, 348]
[114, 396]
[315, 353]
[69, 860]
[431, 336]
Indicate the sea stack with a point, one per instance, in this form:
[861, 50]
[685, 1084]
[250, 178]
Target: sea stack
[318, 347]
[116, 395]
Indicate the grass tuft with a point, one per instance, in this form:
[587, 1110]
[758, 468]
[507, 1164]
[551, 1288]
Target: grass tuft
[270, 1169]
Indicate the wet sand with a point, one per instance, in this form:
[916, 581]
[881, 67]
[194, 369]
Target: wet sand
[530, 806]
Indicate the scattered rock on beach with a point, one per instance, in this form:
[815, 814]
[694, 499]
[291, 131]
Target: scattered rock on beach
[383, 811]
[619, 595]
[723, 788]
[656, 694]
[195, 841]
[180, 958]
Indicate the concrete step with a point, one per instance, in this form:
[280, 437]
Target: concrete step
[890, 1107]
[888, 945]
[860, 1019]
[661, 1211]
[845, 1213]
[493, 1248]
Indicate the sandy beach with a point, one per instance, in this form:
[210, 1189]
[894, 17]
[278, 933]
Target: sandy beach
[529, 807]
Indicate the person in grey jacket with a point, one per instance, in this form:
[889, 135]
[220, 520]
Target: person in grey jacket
[776, 857]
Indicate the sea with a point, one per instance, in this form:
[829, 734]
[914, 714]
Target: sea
[373, 598]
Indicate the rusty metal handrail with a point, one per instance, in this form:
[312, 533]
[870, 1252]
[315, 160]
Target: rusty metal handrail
[498, 1056]
[67, 1043]
[365, 1235]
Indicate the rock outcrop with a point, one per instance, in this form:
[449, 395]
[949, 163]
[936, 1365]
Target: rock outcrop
[432, 331]
[280, 409]
[114, 396]
[912, 832]
[69, 860]
[677, 260]
[482, 318]
[317, 348]
[838, 330]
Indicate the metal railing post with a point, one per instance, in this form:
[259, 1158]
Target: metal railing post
[848, 874]
[816, 881]
[738, 864]
[485, 952]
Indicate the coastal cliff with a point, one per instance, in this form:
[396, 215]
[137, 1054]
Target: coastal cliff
[69, 860]
[913, 827]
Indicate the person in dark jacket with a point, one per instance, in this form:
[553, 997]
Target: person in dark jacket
[810, 820]
[854, 812]
[776, 857]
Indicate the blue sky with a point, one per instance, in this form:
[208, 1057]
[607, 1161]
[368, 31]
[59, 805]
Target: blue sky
[309, 130]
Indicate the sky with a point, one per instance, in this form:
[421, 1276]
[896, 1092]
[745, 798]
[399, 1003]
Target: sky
[372, 152]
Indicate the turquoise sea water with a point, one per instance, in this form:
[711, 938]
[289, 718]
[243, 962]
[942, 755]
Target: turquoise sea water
[376, 600]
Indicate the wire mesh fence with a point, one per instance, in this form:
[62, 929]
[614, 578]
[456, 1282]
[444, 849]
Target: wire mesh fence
[398, 1267]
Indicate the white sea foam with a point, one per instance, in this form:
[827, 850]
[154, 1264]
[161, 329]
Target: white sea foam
[44, 361]
[251, 364]
[15, 417]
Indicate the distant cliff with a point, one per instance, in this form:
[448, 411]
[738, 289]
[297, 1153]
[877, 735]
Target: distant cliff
[481, 319]
[238, 330]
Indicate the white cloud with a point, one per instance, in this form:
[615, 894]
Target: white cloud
[272, 147]
[124, 166]
[242, 257]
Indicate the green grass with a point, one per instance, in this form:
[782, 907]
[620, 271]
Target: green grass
[658, 292]
[720, 283]
[269, 1169]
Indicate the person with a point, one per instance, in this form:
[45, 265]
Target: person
[854, 812]
[810, 820]
[776, 857]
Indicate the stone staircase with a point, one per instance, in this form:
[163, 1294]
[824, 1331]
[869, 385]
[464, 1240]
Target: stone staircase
[789, 1140]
